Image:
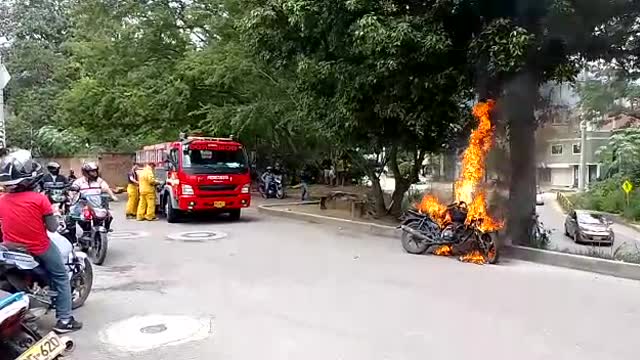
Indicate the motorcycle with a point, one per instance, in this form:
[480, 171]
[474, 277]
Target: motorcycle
[58, 196]
[539, 236]
[272, 187]
[21, 272]
[95, 222]
[19, 338]
[420, 232]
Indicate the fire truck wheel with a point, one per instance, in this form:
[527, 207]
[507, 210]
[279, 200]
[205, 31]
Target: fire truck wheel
[234, 214]
[173, 216]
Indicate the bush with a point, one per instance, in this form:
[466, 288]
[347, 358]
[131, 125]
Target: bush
[607, 196]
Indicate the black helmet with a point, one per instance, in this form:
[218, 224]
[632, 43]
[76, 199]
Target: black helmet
[19, 172]
[269, 168]
[90, 170]
[53, 168]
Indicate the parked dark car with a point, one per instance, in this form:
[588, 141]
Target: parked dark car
[588, 227]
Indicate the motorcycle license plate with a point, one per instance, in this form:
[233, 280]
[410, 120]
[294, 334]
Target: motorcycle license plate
[219, 204]
[48, 348]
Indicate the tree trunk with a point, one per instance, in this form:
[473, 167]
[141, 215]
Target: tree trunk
[402, 184]
[399, 190]
[520, 105]
[378, 195]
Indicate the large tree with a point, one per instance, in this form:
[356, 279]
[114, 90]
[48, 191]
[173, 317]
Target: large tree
[35, 33]
[512, 47]
[375, 75]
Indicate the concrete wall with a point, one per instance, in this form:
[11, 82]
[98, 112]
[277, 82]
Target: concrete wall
[113, 166]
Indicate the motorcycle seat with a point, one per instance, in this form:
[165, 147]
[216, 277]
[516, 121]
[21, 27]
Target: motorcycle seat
[15, 248]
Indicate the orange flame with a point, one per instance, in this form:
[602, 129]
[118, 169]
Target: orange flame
[471, 177]
[474, 257]
[443, 250]
[432, 206]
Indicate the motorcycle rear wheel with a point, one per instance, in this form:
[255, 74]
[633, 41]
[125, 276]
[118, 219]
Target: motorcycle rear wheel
[81, 293]
[412, 245]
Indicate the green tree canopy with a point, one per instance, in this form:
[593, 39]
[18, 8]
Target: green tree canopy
[373, 74]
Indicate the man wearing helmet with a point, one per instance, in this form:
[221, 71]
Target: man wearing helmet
[53, 178]
[91, 182]
[26, 216]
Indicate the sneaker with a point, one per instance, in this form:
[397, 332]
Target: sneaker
[67, 326]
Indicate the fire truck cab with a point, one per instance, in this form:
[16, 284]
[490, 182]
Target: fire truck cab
[200, 174]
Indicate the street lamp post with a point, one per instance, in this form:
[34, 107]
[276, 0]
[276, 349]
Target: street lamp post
[582, 169]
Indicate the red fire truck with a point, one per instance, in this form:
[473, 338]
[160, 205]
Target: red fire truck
[200, 174]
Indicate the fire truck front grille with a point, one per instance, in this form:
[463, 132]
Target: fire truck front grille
[217, 187]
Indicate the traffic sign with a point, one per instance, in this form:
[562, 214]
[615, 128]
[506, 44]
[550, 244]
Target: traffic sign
[4, 76]
[627, 186]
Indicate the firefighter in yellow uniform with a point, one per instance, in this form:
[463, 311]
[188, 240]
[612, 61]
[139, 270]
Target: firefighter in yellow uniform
[147, 202]
[132, 192]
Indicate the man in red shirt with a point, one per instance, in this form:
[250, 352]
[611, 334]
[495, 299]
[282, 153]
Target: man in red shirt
[25, 217]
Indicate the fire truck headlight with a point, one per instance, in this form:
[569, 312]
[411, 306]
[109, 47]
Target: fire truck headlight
[187, 190]
[245, 189]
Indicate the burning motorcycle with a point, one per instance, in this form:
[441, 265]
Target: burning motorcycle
[21, 272]
[19, 338]
[420, 232]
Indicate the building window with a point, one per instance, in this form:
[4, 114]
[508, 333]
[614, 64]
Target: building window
[576, 149]
[556, 149]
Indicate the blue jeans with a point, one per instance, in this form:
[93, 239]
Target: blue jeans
[52, 261]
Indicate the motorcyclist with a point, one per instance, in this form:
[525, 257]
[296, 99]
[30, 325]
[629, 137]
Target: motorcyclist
[53, 178]
[266, 178]
[90, 184]
[26, 216]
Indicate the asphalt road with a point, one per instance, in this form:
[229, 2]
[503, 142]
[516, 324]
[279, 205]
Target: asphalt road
[553, 218]
[280, 289]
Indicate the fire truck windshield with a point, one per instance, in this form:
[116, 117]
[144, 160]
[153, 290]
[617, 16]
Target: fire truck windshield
[213, 162]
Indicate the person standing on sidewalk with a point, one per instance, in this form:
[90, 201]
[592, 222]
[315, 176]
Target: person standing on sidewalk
[133, 193]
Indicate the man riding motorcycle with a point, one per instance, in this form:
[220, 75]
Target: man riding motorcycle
[53, 178]
[53, 185]
[89, 184]
[25, 216]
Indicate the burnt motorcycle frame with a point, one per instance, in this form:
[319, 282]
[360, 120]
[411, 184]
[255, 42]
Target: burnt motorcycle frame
[422, 227]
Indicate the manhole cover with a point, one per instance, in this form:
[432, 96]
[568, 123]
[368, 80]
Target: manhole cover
[197, 236]
[154, 329]
[128, 234]
[142, 333]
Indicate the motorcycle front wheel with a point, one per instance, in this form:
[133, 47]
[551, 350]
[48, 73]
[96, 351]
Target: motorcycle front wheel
[490, 248]
[81, 285]
[99, 247]
[410, 243]
[280, 194]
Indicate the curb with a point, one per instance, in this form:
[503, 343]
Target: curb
[373, 229]
[570, 261]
